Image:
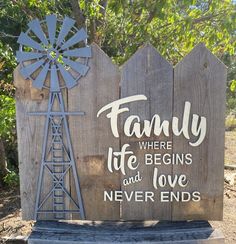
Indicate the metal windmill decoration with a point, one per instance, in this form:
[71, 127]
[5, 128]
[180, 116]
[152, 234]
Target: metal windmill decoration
[48, 49]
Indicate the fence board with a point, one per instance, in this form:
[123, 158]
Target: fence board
[201, 79]
[29, 133]
[148, 73]
[91, 136]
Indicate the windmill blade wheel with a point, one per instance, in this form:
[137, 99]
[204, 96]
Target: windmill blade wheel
[53, 53]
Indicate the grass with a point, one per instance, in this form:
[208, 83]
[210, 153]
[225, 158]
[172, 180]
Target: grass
[230, 147]
[230, 122]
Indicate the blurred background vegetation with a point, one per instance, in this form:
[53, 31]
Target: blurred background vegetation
[119, 27]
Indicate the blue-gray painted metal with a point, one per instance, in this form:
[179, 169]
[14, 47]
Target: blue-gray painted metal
[54, 79]
[68, 78]
[66, 27]
[26, 56]
[37, 29]
[57, 161]
[39, 81]
[24, 39]
[54, 50]
[79, 52]
[52, 26]
[55, 113]
[79, 36]
[30, 69]
[76, 66]
[49, 58]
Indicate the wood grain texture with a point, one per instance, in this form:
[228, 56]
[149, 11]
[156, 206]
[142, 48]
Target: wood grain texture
[29, 135]
[147, 73]
[201, 79]
[91, 136]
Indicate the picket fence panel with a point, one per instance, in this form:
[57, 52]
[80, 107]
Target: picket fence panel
[199, 78]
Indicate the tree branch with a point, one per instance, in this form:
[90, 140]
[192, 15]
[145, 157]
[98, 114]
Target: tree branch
[78, 14]
[194, 21]
[99, 22]
[3, 34]
[103, 7]
[205, 18]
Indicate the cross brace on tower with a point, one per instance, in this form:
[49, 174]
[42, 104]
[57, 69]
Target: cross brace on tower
[57, 160]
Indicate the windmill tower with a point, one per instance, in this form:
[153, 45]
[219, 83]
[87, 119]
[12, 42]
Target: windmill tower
[48, 49]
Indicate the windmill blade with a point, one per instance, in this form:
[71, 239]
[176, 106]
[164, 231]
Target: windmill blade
[68, 78]
[79, 36]
[39, 81]
[52, 26]
[37, 29]
[66, 27]
[78, 67]
[84, 52]
[24, 39]
[30, 69]
[54, 79]
[25, 56]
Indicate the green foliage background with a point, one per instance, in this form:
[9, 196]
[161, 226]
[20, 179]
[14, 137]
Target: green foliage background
[120, 27]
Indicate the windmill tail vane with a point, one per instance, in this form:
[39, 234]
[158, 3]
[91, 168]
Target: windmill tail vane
[54, 55]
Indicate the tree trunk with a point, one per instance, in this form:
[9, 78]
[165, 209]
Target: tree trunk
[78, 14]
[3, 165]
[93, 23]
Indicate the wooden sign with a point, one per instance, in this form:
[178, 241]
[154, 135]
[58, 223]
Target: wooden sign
[151, 143]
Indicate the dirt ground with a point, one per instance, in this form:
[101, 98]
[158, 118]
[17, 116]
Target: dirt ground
[228, 225]
[230, 147]
[12, 225]
[10, 215]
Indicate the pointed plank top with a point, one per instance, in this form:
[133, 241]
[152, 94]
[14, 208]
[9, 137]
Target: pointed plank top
[96, 50]
[201, 51]
[144, 50]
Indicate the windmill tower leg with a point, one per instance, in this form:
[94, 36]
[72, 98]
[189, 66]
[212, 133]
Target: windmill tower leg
[47, 67]
[57, 160]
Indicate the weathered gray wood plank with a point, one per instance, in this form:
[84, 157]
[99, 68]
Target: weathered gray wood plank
[91, 136]
[147, 73]
[29, 135]
[200, 78]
